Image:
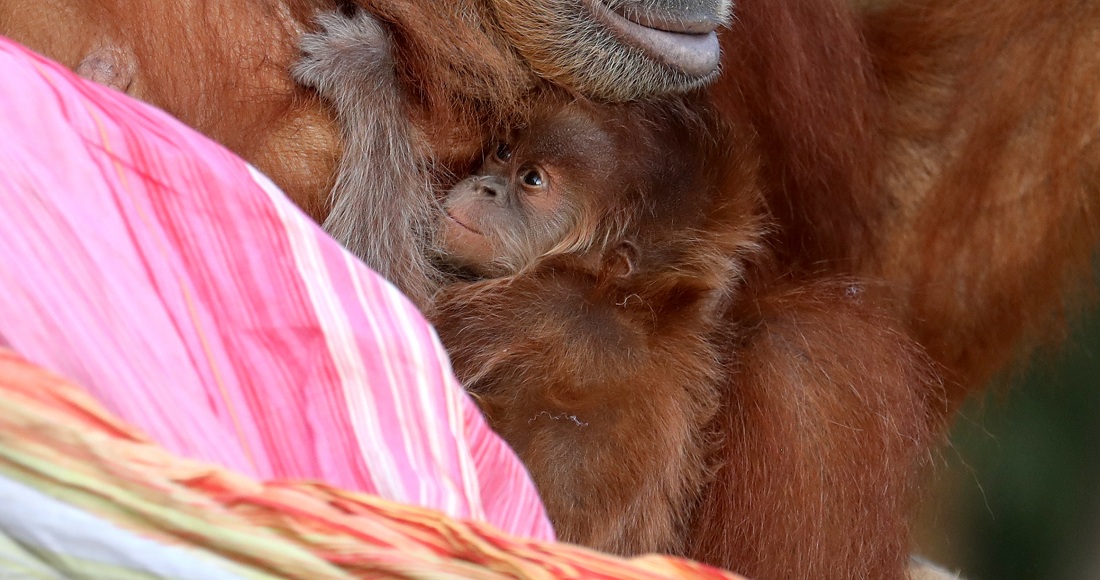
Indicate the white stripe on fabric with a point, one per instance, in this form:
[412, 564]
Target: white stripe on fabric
[427, 399]
[341, 343]
[410, 437]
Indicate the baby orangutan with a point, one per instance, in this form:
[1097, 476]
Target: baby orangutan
[606, 255]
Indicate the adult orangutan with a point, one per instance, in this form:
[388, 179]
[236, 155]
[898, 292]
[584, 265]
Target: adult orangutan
[944, 147]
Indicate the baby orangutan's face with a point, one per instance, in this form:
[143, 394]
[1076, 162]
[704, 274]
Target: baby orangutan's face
[505, 215]
[527, 196]
[510, 211]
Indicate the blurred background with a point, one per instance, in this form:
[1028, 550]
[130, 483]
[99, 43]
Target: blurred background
[1018, 493]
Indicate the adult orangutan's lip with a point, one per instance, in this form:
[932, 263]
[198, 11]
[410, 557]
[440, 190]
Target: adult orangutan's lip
[689, 46]
[697, 23]
[459, 222]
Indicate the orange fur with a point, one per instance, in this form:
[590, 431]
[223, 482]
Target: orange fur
[944, 147]
[826, 423]
[990, 165]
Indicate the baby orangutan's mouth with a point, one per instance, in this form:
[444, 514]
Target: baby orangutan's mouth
[452, 217]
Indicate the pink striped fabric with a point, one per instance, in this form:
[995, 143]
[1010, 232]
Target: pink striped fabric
[191, 298]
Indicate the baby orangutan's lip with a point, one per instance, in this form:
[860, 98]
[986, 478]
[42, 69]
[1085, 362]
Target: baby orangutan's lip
[459, 222]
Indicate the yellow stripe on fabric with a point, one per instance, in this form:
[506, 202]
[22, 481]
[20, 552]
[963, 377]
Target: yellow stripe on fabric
[108, 479]
[192, 526]
[17, 561]
[51, 440]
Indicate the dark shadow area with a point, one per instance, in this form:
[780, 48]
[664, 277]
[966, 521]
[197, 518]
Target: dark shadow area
[1019, 494]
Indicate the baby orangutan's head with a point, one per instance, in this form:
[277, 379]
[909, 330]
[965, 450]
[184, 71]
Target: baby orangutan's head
[542, 189]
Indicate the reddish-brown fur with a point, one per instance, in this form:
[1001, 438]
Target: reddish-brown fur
[947, 147]
[944, 147]
[797, 73]
[706, 405]
[826, 425]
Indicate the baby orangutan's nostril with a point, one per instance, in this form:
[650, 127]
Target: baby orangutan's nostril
[487, 187]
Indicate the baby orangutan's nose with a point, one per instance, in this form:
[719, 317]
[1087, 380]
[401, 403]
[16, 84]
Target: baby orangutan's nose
[491, 187]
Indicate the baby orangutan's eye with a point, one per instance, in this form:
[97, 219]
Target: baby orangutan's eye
[503, 152]
[533, 178]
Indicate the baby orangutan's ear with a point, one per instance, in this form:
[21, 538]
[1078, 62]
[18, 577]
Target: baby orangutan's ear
[620, 261]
